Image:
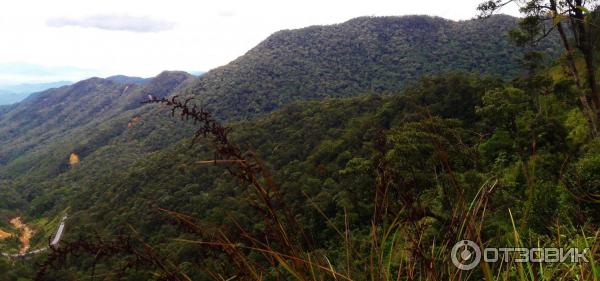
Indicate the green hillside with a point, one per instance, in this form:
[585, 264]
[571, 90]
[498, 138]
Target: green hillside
[357, 151]
[364, 55]
[370, 54]
[326, 157]
[49, 115]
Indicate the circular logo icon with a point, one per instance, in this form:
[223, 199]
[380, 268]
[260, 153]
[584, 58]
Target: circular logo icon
[466, 255]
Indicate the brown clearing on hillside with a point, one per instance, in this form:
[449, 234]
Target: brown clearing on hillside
[73, 159]
[4, 235]
[133, 121]
[26, 234]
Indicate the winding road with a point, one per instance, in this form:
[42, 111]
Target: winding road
[54, 242]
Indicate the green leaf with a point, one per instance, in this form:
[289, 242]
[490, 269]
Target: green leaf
[583, 9]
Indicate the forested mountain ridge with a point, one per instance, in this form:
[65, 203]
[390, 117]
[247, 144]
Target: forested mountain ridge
[127, 79]
[363, 55]
[324, 153]
[10, 94]
[369, 54]
[63, 117]
[326, 158]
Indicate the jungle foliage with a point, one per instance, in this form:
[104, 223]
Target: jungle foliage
[326, 153]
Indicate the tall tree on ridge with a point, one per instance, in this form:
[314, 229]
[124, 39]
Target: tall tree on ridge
[576, 16]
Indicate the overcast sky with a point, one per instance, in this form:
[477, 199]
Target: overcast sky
[54, 40]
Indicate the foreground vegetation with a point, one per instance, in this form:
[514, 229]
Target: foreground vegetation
[513, 165]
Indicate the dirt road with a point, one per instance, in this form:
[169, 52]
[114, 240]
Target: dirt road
[25, 234]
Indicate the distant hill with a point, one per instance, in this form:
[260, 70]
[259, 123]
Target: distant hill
[10, 94]
[127, 79]
[34, 87]
[7, 97]
[368, 54]
[81, 117]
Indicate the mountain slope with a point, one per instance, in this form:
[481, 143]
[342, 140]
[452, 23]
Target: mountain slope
[7, 97]
[127, 79]
[363, 55]
[34, 87]
[42, 130]
[325, 156]
[101, 118]
[381, 54]
[10, 94]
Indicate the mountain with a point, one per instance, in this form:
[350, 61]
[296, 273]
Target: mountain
[7, 97]
[34, 87]
[95, 121]
[127, 79]
[369, 54]
[81, 117]
[122, 168]
[304, 144]
[311, 101]
[328, 159]
[104, 118]
[364, 55]
[10, 94]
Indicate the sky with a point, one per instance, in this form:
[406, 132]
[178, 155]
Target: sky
[56, 40]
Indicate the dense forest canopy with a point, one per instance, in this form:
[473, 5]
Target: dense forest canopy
[363, 55]
[358, 151]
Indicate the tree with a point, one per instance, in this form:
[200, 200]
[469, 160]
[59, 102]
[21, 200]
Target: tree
[576, 16]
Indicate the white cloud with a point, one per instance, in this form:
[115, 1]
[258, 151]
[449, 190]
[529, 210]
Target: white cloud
[113, 22]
